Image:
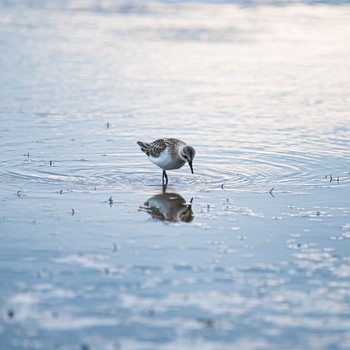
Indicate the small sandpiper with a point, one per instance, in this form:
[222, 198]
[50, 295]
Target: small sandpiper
[168, 154]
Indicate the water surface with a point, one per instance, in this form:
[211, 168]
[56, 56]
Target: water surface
[252, 251]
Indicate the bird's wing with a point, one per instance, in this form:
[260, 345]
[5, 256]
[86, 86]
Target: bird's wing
[144, 147]
[157, 147]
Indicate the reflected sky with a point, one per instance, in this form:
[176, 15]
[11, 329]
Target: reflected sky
[258, 259]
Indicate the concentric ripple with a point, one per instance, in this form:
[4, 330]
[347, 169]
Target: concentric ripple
[258, 171]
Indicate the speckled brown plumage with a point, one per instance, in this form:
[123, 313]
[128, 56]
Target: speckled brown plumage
[156, 147]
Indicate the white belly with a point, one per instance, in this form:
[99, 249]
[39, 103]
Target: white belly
[166, 162]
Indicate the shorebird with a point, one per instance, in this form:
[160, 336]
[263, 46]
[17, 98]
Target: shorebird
[168, 154]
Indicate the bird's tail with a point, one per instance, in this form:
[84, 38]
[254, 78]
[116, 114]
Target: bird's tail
[144, 146]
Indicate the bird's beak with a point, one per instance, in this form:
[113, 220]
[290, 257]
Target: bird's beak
[190, 164]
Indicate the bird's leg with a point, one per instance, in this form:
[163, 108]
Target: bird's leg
[164, 184]
[165, 176]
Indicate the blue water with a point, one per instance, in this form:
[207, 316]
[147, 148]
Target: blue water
[251, 251]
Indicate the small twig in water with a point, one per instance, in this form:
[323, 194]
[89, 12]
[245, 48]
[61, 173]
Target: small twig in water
[73, 211]
[19, 193]
[271, 192]
[330, 178]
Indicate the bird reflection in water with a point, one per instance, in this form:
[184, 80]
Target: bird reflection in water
[169, 207]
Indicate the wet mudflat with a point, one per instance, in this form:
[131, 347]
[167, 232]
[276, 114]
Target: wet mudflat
[251, 251]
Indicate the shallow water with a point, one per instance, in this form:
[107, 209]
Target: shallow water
[251, 251]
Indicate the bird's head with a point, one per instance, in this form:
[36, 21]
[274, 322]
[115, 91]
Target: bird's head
[187, 154]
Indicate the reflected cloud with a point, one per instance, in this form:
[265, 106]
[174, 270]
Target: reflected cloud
[169, 207]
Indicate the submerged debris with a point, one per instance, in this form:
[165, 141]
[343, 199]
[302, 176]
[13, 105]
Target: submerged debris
[330, 178]
[207, 322]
